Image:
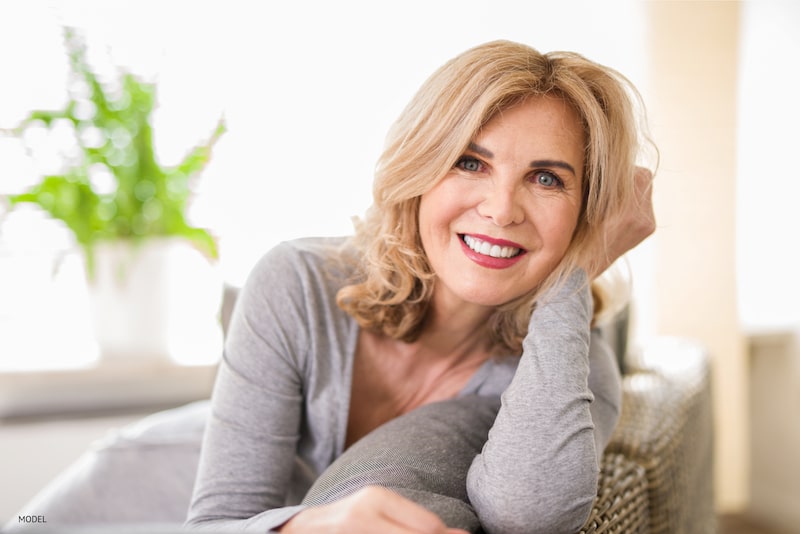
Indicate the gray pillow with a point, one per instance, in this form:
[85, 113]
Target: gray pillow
[423, 455]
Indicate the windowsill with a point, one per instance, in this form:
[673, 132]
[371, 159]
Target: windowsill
[106, 387]
[777, 336]
[50, 361]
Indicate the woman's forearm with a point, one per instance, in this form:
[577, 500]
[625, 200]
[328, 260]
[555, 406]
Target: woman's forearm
[538, 470]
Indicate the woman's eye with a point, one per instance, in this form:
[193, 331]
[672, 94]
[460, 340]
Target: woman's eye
[547, 179]
[469, 164]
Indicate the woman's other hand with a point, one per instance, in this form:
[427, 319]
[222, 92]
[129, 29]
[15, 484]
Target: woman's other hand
[630, 226]
[371, 509]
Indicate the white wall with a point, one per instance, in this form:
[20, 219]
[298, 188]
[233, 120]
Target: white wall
[693, 70]
[722, 91]
[768, 185]
[768, 177]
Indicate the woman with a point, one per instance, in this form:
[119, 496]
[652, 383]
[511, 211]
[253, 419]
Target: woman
[507, 184]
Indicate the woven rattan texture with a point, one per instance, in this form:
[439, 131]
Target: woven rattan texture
[664, 428]
[621, 503]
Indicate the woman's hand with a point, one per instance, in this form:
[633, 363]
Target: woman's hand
[629, 227]
[371, 509]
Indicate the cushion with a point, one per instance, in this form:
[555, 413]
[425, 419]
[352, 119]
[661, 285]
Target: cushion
[423, 455]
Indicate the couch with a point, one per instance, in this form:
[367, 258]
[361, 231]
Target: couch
[656, 473]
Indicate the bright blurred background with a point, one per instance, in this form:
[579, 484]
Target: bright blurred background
[308, 90]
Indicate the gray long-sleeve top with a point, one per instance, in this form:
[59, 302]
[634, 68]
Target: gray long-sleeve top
[281, 401]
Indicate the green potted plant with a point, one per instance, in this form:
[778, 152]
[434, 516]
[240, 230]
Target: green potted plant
[142, 204]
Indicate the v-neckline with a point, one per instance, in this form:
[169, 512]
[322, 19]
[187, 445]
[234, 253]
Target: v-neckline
[472, 385]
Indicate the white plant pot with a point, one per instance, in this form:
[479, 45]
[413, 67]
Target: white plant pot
[135, 311]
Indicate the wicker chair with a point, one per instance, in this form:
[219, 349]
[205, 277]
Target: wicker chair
[656, 474]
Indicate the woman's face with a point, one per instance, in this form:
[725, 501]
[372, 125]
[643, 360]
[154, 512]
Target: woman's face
[502, 219]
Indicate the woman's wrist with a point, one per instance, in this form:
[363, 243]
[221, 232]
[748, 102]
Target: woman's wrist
[570, 298]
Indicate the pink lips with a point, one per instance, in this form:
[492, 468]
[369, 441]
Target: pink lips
[488, 261]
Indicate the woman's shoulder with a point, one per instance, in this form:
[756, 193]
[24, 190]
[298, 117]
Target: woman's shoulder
[306, 257]
[316, 245]
[319, 248]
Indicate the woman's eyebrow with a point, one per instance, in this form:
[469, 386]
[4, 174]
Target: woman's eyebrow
[480, 150]
[553, 163]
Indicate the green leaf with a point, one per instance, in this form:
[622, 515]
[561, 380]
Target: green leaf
[68, 198]
[197, 159]
[149, 200]
[202, 240]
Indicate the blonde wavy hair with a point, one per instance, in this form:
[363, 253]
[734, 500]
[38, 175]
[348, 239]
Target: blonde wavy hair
[394, 281]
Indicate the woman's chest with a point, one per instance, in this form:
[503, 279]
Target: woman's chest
[390, 379]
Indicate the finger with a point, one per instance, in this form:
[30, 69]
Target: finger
[361, 513]
[642, 172]
[643, 180]
[408, 514]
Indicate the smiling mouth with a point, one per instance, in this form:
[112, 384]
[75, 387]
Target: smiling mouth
[490, 249]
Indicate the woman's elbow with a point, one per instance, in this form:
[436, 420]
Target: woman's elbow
[561, 507]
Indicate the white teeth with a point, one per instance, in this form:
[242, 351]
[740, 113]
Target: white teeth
[487, 249]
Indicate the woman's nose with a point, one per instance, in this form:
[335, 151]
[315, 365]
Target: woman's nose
[502, 205]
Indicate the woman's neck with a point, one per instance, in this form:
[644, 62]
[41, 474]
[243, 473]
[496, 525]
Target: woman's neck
[455, 328]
